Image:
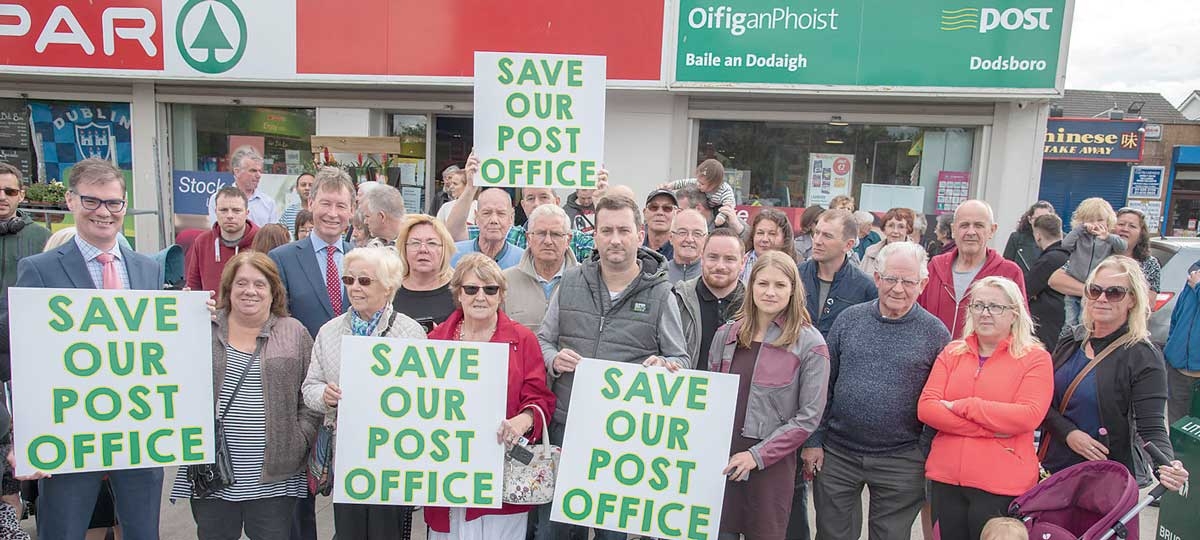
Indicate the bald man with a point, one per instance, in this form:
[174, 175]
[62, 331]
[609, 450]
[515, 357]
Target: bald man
[951, 274]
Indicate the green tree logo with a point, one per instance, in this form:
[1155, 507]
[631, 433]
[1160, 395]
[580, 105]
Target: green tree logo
[202, 52]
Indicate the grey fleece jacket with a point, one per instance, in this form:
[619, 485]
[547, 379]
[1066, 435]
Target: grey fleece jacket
[643, 321]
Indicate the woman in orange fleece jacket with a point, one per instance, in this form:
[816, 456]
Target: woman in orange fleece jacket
[985, 396]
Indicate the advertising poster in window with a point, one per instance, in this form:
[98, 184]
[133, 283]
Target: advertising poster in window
[1146, 182]
[829, 175]
[952, 189]
[71, 132]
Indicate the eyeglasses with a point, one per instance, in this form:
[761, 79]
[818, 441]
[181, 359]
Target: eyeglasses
[432, 245]
[684, 233]
[660, 207]
[543, 235]
[472, 290]
[362, 280]
[1113, 294]
[93, 203]
[11, 192]
[991, 309]
[891, 282]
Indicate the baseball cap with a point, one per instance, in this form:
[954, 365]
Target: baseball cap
[662, 192]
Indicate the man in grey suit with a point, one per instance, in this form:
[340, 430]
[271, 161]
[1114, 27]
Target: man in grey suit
[311, 271]
[93, 260]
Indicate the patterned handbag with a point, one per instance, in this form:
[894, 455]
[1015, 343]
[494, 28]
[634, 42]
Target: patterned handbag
[534, 483]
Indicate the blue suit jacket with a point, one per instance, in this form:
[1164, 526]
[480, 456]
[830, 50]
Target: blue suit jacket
[64, 268]
[308, 299]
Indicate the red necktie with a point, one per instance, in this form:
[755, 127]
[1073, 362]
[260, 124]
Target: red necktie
[333, 284]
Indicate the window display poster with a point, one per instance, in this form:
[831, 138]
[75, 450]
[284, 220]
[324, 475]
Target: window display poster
[539, 119]
[69, 132]
[14, 124]
[953, 187]
[1146, 182]
[829, 175]
[1151, 207]
[21, 159]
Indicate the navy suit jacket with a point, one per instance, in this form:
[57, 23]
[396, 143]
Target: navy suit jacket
[308, 299]
[64, 268]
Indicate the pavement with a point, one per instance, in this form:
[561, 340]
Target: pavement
[177, 523]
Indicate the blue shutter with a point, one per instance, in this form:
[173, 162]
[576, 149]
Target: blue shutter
[1066, 183]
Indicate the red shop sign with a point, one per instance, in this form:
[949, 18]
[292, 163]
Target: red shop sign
[114, 34]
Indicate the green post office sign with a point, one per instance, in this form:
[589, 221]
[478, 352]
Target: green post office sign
[995, 44]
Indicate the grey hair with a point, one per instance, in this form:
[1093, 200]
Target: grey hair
[384, 260]
[863, 217]
[987, 207]
[548, 210]
[945, 224]
[904, 249]
[242, 153]
[453, 169]
[386, 199]
[693, 195]
[919, 224]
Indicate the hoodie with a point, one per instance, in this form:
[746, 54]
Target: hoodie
[207, 257]
[580, 218]
[938, 296]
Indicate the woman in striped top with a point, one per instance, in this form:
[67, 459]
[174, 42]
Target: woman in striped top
[267, 430]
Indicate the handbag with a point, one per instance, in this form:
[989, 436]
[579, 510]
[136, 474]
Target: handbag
[1044, 445]
[209, 478]
[533, 484]
[320, 456]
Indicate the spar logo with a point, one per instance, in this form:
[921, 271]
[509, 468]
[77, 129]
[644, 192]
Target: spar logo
[985, 19]
[211, 35]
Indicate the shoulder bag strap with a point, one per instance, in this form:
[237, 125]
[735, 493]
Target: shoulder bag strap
[1044, 446]
[388, 328]
[242, 378]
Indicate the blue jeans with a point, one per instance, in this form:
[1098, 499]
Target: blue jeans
[65, 503]
[1072, 308]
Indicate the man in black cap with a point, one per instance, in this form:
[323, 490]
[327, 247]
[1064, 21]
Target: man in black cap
[660, 210]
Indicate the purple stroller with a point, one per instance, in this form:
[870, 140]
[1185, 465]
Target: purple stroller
[1093, 500]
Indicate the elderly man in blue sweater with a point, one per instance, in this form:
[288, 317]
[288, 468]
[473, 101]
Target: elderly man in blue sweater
[880, 354]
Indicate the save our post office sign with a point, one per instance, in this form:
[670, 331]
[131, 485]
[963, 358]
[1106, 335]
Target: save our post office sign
[108, 380]
[417, 422]
[644, 450]
[539, 119]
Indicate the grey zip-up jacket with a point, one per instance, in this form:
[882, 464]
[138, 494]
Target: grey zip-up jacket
[689, 311]
[642, 321]
[788, 391]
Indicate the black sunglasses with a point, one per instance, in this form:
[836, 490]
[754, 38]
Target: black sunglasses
[1113, 294]
[472, 290]
[362, 280]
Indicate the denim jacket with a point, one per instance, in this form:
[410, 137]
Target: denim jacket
[788, 391]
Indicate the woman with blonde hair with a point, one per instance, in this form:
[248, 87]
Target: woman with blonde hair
[1110, 385]
[783, 365]
[986, 395]
[371, 276]
[426, 247]
[479, 289]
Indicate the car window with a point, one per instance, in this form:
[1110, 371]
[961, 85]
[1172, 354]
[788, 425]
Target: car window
[1162, 252]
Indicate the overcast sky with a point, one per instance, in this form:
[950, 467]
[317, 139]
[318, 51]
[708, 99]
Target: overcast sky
[1136, 45]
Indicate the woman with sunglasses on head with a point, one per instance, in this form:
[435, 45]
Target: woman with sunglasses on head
[986, 394]
[1110, 384]
[371, 276]
[479, 288]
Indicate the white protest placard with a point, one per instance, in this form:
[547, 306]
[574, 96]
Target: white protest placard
[108, 380]
[539, 119]
[644, 450]
[417, 422]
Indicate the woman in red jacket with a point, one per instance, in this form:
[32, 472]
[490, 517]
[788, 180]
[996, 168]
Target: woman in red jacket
[479, 287]
[985, 395]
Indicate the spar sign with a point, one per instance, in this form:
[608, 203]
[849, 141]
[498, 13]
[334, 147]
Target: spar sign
[115, 34]
[539, 119]
[107, 380]
[418, 427]
[644, 450]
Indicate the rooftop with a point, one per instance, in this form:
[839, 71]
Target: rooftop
[1095, 103]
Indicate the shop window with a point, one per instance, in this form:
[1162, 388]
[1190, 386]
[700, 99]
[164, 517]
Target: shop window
[797, 164]
[204, 136]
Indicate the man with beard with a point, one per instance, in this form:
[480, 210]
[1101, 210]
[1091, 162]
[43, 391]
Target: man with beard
[232, 233]
[707, 302]
[952, 273]
[617, 307]
[688, 231]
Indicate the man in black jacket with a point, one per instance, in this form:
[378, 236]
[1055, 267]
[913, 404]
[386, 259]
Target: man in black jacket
[1045, 303]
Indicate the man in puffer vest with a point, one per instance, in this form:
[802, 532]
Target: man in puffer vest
[616, 306]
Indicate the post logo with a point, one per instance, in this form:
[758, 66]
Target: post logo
[211, 35]
[987, 19]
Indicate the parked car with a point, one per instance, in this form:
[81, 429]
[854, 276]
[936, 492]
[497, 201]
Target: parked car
[1176, 255]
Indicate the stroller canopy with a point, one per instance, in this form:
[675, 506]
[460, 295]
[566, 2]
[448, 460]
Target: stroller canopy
[1082, 501]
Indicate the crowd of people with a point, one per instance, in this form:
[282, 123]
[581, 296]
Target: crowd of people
[866, 358]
